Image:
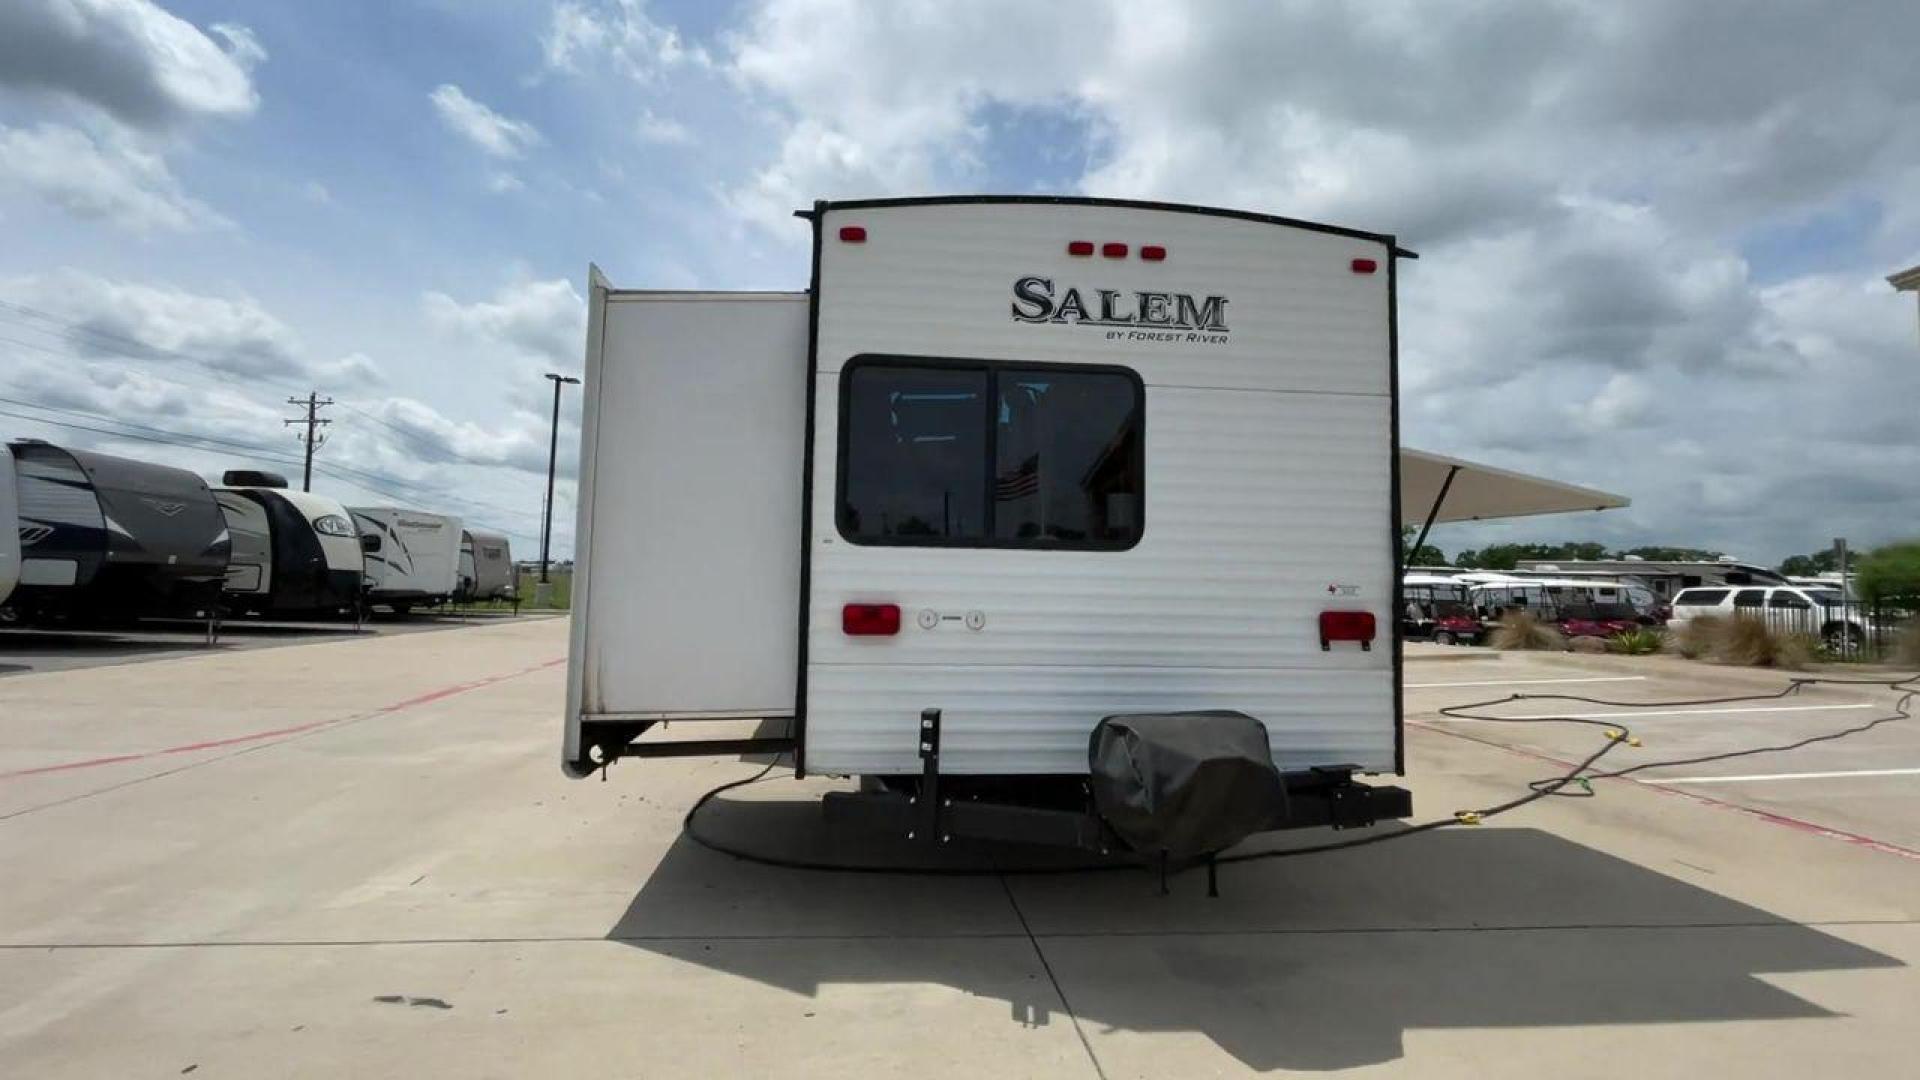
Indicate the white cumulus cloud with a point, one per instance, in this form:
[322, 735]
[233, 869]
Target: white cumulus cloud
[496, 135]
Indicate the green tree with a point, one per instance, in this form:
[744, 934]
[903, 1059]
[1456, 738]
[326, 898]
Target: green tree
[1819, 562]
[1891, 573]
[1657, 553]
[1428, 555]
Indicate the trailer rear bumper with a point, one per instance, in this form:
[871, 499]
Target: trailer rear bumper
[1058, 811]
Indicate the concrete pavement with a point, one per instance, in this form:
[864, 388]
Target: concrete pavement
[360, 857]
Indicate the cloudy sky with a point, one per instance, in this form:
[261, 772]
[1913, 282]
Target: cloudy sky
[1653, 235]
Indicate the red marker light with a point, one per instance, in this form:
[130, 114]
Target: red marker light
[853, 234]
[1365, 266]
[1347, 626]
[1114, 251]
[1153, 253]
[1080, 248]
[870, 620]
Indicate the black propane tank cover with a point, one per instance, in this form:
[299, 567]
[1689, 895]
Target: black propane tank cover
[1185, 784]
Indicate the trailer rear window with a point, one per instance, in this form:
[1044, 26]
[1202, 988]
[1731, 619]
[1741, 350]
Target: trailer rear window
[979, 454]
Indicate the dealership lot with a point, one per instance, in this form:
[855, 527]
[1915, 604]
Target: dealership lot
[234, 857]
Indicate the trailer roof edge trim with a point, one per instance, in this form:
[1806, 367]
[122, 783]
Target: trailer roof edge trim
[1388, 239]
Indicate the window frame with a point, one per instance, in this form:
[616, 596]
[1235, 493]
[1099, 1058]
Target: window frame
[990, 458]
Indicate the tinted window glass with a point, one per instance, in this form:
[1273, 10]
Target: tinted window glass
[1787, 600]
[915, 453]
[1065, 461]
[1700, 598]
[1748, 597]
[988, 454]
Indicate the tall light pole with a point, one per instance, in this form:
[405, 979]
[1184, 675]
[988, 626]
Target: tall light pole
[553, 451]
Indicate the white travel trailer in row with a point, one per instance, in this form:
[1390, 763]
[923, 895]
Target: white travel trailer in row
[1067, 508]
[415, 559]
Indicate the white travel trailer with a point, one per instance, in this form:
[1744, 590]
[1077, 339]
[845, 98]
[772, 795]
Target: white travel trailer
[416, 561]
[294, 552]
[486, 566]
[1019, 485]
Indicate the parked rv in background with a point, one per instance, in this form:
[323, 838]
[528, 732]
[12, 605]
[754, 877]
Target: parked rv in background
[416, 560]
[294, 553]
[110, 537]
[1663, 578]
[9, 526]
[486, 566]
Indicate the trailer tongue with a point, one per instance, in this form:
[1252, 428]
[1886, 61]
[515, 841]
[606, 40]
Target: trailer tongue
[1053, 520]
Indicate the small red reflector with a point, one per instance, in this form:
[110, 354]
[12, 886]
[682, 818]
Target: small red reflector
[1081, 248]
[1114, 251]
[1153, 253]
[870, 620]
[1346, 626]
[1365, 266]
[853, 234]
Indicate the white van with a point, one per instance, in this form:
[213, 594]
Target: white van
[1010, 467]
[1806, 609]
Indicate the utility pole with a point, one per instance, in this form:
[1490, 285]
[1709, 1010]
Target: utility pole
[314, 438]
[543, 592]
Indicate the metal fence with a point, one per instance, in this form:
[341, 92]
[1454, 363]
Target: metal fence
[1853, 630]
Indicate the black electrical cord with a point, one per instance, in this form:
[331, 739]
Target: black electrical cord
[1577, 777]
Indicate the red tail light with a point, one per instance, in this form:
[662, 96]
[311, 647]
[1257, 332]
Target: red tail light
[870, 620]
[853, 234]
[1080, 248]
[1365, 266]
[1153, 253]
[1346, 626]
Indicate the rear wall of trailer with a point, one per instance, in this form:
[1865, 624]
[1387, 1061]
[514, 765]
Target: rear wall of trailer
[1267, 499]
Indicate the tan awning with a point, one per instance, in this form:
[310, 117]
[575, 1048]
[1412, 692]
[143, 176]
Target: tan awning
[1480, 492]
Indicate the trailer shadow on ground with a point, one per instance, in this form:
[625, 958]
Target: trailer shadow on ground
[1318, 963]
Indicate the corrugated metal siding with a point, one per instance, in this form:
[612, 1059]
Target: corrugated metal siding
[1268, 482]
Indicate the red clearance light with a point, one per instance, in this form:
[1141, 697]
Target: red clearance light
[1080, 248]
[1365, 266]
[1153, 253]
[1346, 626]
[1114, 251]
[853, 234]
[870, 620]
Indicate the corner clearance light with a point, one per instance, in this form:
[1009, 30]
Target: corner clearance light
[1153, 253]
[853, 234]
[1365, 266]
[870, 620]
[1080, 248]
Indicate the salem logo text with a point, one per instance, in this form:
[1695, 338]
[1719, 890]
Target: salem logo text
[1129, 316]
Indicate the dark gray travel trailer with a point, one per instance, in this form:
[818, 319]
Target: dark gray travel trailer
[294, 553]
[107, 537]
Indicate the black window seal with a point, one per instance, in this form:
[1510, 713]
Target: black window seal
[992, 368]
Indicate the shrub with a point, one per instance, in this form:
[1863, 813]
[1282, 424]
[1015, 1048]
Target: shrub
[1751, 642]
[1696, 636]
[1639, 642]
[1906, 650]
[1520, 630]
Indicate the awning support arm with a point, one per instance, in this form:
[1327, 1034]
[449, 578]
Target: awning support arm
[1420, 542]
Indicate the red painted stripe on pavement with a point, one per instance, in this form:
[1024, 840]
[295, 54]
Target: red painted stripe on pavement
[1767, 816]
[214, 744]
